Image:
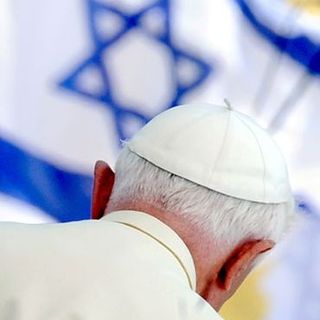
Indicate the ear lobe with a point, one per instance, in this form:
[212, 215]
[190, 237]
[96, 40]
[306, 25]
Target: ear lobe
[102, 188]
[240, 263]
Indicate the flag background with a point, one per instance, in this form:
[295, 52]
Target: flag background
[79, 76]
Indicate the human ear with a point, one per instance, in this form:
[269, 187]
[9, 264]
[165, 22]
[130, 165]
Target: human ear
[102, 188]
[240, 262]
[229, 273]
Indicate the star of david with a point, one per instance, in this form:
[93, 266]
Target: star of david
[101, 44]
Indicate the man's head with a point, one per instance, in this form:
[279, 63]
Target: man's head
[216, 178]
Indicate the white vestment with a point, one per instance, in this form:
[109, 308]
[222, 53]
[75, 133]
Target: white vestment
[127, 265]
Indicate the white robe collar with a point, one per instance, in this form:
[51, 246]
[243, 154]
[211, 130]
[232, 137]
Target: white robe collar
[161, 233]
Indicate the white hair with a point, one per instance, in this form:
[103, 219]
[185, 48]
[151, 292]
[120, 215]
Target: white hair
[226, 218]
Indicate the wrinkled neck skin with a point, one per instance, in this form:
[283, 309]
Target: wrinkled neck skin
[203, 250]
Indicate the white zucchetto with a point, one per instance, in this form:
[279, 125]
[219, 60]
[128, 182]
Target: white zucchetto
[218, 148]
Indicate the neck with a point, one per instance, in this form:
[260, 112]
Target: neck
[200, 246]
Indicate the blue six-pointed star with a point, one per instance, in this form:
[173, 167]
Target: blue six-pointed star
[101, 45]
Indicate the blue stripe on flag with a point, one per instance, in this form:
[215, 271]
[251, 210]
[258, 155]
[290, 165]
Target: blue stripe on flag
[301, 48]
[64, 195]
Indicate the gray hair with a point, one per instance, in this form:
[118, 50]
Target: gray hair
[222, 217]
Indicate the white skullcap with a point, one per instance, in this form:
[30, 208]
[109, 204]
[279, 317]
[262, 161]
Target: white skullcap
[218, 148]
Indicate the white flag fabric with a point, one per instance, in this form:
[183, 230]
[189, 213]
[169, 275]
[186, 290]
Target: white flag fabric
[294, 283]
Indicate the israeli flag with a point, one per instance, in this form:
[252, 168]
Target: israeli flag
[77, 77]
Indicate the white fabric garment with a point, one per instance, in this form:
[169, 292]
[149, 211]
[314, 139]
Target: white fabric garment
[226, 151]
[128, 265]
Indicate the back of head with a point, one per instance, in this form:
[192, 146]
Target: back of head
[212, 166]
